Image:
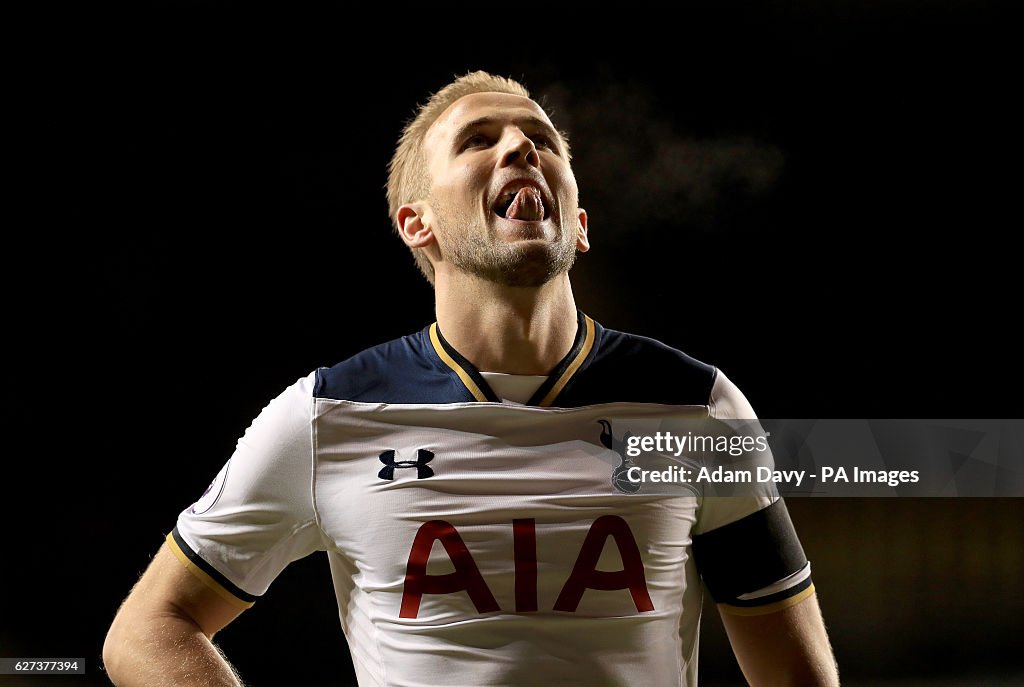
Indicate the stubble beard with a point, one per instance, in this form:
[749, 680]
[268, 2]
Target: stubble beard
[476, 250]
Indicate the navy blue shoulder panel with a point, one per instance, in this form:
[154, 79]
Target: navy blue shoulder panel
[404, 370]
[620, 368]
[630, 368]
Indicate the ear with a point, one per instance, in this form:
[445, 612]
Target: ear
[582, 242]
[414, 224]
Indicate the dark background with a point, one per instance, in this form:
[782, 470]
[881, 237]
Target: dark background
[819, 198]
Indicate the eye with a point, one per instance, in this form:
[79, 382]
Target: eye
[475, 141]
[542, 141]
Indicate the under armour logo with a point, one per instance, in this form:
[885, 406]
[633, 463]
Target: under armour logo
[423, 471]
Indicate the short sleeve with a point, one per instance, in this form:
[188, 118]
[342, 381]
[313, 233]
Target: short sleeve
[746, 548]
[729, 407]
[258, 514]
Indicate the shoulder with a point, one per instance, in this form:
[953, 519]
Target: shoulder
[727, 402]
[630, 367]
[402, 370]
[288, 411]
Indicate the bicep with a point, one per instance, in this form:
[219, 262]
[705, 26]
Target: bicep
[170, 589]
[786, 646]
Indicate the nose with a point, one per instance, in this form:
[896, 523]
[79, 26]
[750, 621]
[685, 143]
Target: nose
[519, 150]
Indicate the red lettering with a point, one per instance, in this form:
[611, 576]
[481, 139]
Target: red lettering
[524, 536]
[585, 574]
[465, 578]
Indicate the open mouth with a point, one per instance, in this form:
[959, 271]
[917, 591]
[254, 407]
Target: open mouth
[523, 203]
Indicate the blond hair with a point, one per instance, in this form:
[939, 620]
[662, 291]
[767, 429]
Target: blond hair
[408, 174]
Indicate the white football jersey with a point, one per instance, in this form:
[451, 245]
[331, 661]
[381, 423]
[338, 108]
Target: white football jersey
[474, 542]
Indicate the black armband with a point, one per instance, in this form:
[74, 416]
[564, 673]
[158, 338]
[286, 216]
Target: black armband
[751, 554]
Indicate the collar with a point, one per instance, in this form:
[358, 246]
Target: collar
[545, 396]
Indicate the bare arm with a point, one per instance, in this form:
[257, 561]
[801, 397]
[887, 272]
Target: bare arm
[786, 647]
[162, 632]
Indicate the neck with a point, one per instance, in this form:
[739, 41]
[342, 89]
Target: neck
[523, 331]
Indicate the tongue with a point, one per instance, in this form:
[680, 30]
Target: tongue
[526, 206]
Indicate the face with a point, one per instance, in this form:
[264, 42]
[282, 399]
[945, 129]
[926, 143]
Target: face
[503, 198]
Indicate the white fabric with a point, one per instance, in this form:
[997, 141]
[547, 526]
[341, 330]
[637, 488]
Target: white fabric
[305, 477]
[514, 388]
[263, 518]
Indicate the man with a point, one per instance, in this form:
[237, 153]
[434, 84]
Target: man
[459, 477]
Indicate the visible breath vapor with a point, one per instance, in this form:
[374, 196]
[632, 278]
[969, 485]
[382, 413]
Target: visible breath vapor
[636, 163]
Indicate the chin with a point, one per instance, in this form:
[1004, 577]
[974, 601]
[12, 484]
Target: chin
[531, 264]
[512, 230]
[515, 254]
